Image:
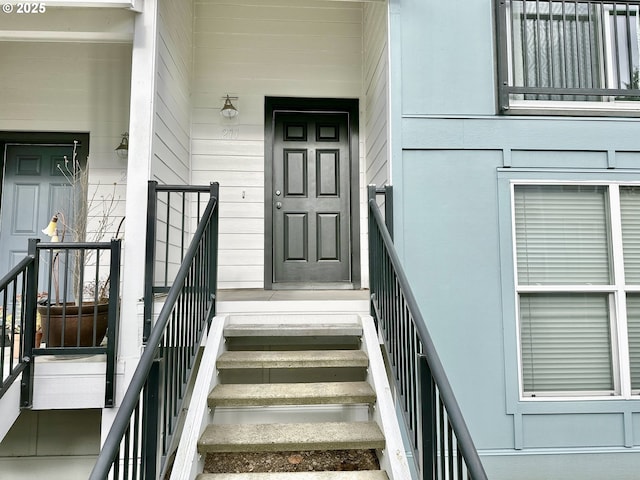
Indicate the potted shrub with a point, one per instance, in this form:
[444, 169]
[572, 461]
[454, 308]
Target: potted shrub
[84, 316]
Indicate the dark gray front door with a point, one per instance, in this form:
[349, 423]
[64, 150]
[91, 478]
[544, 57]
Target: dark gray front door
[311, 198]
[33, 189]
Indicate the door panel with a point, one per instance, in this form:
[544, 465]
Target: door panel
[296, 228]
[25, 200]
[328, 174]
[311, 198]
[328, 236]
[33, 190]
[295, 173]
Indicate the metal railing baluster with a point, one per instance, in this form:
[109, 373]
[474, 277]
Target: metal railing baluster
[440, 439]
[571, 50]
[19, 294]
[158, 386]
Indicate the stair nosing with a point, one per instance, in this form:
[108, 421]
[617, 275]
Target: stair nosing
[292, 359]
[289, 329]
[317, 393]
[322, 475]
[275, 437]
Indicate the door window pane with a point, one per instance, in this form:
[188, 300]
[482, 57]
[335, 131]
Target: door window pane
[556, 45]
[623, 39]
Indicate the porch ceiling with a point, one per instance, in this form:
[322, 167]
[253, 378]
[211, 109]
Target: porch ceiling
[57, 24]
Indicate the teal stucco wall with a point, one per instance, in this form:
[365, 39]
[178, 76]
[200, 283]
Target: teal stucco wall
[453, 160]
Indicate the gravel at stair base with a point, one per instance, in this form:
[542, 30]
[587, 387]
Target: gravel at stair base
[299, 461]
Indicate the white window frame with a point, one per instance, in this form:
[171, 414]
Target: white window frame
[617, 292]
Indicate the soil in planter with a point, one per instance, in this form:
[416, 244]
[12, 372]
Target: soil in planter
[301, 461]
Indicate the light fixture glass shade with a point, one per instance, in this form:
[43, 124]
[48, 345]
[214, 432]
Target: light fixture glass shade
[122, 150]
[228, 110]
[52, 227]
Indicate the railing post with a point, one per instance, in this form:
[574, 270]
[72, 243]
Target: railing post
[213, 248]
[428, 414]
[30, 306]
[371, 197]
[503, 59]
[151, 421]
[152, 214]
[388, 208]
[113, 323]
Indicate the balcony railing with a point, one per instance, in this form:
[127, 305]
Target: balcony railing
[579, 51]
[143, 432]
[439, 437]
[62, 299]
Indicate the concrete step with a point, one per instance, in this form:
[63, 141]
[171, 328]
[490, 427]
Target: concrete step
[293, 330]
[291, 394]
[358, 475]
[292, 359]
[291, 436]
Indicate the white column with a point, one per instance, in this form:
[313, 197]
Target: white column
[143, 79]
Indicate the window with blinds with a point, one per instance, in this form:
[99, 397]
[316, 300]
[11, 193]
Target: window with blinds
[570, 288]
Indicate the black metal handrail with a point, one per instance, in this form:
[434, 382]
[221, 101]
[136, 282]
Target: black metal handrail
[575, 50]
[13, 322]
[172, 210]
[439, 437]
[144, 427]
[81, 325]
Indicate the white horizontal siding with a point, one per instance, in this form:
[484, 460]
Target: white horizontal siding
[376, 70]
[251, 49]
[376, 73]
[171, 145]
[73, 87]
[172, 119]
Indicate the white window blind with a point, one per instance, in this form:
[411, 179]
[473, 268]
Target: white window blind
[570, 239]
[633, 325]
[630, 214]
[565, 343]
[561, 235]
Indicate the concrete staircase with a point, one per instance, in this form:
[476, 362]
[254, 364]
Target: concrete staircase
[283, 383]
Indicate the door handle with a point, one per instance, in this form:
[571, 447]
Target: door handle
[278, 205]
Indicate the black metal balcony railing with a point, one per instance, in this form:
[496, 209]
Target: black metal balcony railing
[143, 431]
[439, 437]
[563, 50]
[66, 293]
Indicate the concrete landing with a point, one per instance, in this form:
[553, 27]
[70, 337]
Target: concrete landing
[258, 301]
[291, 436]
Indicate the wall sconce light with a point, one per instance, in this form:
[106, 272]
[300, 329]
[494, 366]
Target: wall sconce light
[228, 110]
[52, 229]
[122, 150]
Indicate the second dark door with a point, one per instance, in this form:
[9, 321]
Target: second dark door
[311, 198]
